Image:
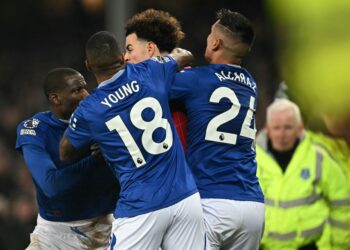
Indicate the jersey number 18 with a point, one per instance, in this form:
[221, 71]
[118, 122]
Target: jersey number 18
[148, 128]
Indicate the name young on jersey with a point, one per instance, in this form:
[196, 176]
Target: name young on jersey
[237, 77]
[121, 93]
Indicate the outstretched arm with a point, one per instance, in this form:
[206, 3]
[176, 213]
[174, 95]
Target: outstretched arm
[182, 57]
[48, 177]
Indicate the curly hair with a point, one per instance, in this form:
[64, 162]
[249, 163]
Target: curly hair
[156, 26]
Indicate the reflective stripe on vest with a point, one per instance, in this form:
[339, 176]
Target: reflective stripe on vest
[313, 231]
[292, 235]
[336, 223]
[303, 201]
[339, 203]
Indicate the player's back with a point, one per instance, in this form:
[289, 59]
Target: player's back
[221, 103]
[129, 116]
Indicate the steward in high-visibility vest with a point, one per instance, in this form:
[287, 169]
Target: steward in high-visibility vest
[336, 147]
[306, 204]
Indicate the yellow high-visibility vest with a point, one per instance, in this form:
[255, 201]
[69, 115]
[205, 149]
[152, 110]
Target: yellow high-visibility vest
[337, 149]
[308, 203]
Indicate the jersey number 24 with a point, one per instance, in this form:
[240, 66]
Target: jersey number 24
[212, 132]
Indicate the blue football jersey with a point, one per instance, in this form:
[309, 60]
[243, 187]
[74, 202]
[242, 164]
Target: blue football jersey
[128, 115]
[221, 103]
[65, 191]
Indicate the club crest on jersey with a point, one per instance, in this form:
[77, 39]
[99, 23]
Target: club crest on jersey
[305, 173]
[29, 126]
[33, 123]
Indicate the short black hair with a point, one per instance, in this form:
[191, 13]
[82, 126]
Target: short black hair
[237, 24]
[102, 50]
[55, 79]
[156, 26]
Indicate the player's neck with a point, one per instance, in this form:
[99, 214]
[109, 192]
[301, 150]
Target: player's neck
[59, 114]
[101, 77]
[164, 53]
[220, 59]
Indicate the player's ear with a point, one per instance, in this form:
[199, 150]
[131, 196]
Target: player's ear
[216, 44]
[151, 48]
[87, 65]
[122, 59]
[300, 129]
[54, 99]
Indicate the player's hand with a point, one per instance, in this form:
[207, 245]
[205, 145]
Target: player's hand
[182, 57]
[96, 151]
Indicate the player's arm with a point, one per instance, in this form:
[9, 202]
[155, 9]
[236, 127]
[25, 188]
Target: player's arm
[76, 139]
[67, 151]
[182, 57]
[51, 180]
[184, 83]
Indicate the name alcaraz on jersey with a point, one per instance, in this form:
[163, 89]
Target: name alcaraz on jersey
[237, 77]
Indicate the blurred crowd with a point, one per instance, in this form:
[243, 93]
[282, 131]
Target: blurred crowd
[36, 37]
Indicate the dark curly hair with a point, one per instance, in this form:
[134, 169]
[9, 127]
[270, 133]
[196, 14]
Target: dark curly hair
[237, 24]
[156, 26]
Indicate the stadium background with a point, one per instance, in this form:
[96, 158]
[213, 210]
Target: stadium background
[39, 35]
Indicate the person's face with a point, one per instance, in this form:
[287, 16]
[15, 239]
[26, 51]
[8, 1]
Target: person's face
[283, 130]
[136, 50]
[72, 94]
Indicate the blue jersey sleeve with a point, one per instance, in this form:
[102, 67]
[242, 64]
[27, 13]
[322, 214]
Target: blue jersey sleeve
[78, 131]
[185, 80]
[51, 180]
[28, 132]
[163, 68]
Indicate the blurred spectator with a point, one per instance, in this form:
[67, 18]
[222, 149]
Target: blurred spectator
[4, 207]
[18, 224]
[7, 183]
[306, 193]
[335, 145]
[17, 209]
[314, 43]
[36, 37]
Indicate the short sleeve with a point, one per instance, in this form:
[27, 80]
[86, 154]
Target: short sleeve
[163, 68]
[78, 131]
[31, 132]
[181, 87]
